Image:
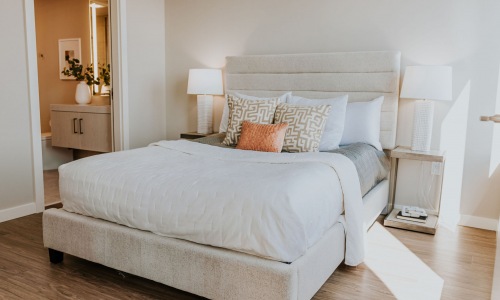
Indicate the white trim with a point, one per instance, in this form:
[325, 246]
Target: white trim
[479, 222]
[18, 211]
[34, 105]
[119, 57]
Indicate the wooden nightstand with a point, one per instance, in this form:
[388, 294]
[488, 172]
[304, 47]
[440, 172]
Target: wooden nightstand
[432, 220]
[193, 135]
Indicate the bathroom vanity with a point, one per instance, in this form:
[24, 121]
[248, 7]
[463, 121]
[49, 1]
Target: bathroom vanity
[84, 127]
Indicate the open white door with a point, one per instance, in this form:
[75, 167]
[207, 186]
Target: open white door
[119, 78]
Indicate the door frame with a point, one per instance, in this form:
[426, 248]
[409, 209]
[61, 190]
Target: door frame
[119, 78]
[34, 104]
[119, 103]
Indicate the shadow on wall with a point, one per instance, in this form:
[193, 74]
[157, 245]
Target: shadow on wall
[453, 139]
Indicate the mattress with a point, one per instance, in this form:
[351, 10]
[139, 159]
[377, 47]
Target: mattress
[267, 204]
[371, 164]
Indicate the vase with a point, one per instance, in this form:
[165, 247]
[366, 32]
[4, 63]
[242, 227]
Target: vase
[82, 95]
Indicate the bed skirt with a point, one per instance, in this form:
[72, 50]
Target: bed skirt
[207, 271]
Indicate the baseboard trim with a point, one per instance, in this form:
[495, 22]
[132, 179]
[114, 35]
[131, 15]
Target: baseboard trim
[479, 222]
[17, 212]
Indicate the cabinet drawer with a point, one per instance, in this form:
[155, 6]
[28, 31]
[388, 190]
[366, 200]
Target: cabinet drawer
[95, 132]
[65, 129]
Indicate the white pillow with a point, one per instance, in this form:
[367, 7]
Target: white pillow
[362, 123]
[334, 128]
[225, 113]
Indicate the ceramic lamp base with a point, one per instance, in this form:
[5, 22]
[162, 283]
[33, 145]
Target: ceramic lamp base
[205, 113]
[422, 125]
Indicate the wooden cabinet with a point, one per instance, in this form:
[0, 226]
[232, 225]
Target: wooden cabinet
[85, 127]
[433, 156]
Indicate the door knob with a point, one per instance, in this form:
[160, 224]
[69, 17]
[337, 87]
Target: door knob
[495, 118]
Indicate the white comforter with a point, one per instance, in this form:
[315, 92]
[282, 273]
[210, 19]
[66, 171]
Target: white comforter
[271, 205]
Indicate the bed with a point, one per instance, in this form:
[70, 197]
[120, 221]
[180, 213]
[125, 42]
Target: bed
[116, 221]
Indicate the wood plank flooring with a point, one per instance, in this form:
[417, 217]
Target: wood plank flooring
[51, 187]
[399, 264]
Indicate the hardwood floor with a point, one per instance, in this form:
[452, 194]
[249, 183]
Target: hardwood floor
[51, 187]
[399, 264]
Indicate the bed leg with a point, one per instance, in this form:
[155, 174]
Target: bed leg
[55, 256]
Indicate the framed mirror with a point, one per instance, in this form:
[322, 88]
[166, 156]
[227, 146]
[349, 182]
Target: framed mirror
[100, 49]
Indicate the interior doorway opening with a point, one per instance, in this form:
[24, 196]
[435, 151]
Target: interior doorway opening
[120, 118]
[73, 51]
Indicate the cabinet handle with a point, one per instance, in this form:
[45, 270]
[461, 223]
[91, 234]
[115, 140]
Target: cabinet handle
[81, 127]
[74, 125]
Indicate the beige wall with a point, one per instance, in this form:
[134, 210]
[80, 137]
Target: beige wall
[16, 163]
[58, 19]
[463, 34]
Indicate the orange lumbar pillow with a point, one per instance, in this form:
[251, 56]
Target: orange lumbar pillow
[262, 137]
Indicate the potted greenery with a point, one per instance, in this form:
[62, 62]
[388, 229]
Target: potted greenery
[84, 75]
[105, 78]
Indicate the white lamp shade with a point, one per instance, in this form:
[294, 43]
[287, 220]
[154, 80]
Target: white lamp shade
[205, 82]
[427, 82]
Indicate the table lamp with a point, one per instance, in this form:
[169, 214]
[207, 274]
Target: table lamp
[425, 83]
[205, 83]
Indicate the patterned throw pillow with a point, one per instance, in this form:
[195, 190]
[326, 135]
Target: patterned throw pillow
[256, 111]
[305, 126]
[262, 137]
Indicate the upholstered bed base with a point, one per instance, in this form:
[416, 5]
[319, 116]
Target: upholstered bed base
[207, 271]
[203, 270]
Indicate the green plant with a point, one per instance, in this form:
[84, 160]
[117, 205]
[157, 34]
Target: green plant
[77, 71]
[105, 74]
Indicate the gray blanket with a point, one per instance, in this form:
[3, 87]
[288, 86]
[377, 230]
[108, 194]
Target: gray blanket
[372, 165]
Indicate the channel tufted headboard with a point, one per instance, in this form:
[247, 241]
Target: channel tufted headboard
[361, 75]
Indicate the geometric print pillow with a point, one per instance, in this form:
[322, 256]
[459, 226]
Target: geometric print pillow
[305, 126]
[255, 111]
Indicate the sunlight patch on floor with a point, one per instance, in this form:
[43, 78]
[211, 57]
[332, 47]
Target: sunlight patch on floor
[404, 274]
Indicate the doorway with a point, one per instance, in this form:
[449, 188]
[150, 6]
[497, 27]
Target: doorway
[74, 78]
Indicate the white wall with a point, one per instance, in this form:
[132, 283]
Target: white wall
[464, 34]
[17, 180]
[146, 71]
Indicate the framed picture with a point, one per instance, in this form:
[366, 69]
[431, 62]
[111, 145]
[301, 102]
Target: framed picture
[68, 49]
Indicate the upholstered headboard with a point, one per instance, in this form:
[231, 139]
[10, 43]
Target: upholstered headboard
[362, 75]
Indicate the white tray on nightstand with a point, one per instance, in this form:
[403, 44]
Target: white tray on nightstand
[428, 227]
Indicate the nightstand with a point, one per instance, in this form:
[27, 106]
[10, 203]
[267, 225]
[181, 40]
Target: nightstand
[432, 220]
[193, 135]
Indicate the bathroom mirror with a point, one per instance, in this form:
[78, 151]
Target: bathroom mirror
[99, 44]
